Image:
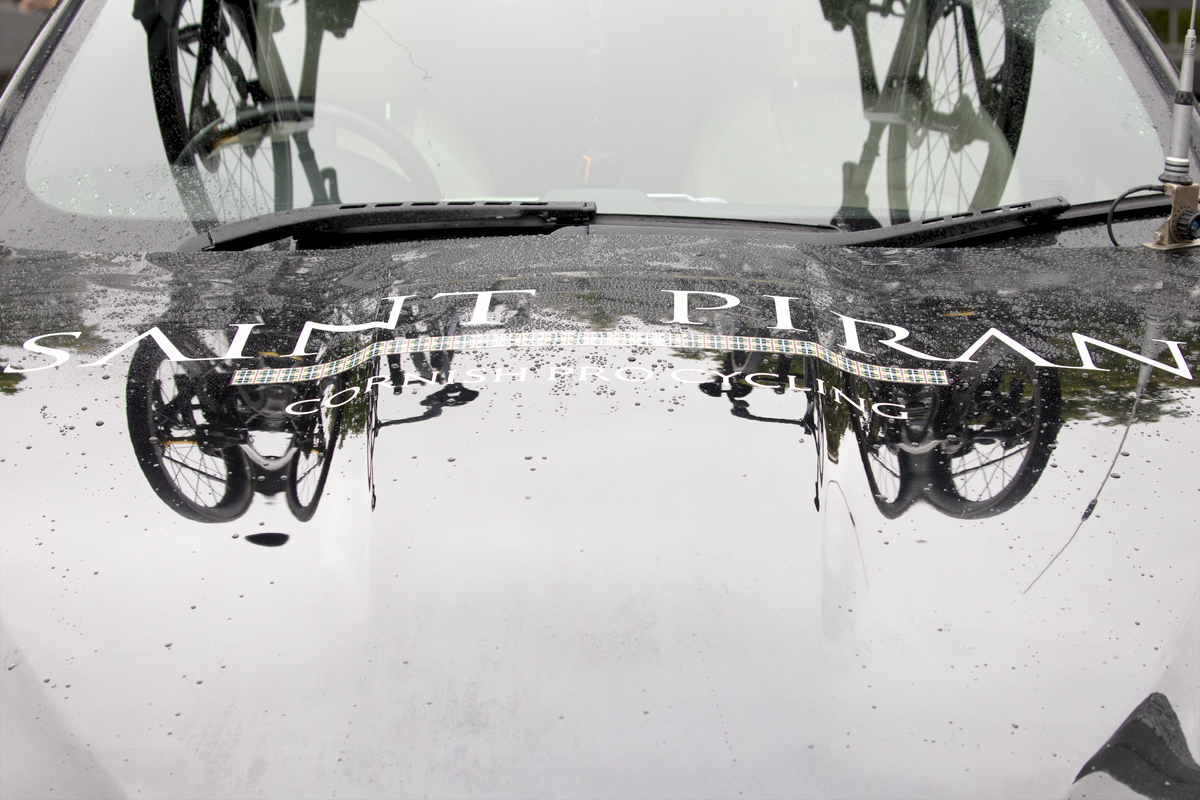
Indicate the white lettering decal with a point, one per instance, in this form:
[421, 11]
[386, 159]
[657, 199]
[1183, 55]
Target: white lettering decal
[783, 313]
[294, 407]
[649, 374]
[726, 380]
[309, 327]
[597, 372]
[60, 356]
[377, 380]
[239, 341]
[850, 328]
[675, 375]
[792, 385]
[328, 401]
[902, 415]
[483, 302]
[839, 396]
[681, 304]
[159, 337]
[1181, 368]
[1017, 347]
[476, 376]
[750, 380]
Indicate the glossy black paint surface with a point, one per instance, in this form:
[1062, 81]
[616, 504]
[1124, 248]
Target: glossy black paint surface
[550, 576]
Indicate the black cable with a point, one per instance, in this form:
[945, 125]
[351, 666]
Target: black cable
[1150, 187]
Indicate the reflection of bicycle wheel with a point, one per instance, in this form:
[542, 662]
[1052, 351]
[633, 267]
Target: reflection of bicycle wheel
[194, 467]
[891, 471]
[310, 466]
[955, 150]
[1009, 419]
[203, 70]
[229, 131]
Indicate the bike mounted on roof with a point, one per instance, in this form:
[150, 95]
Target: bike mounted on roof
[229, 116]
[953, 103]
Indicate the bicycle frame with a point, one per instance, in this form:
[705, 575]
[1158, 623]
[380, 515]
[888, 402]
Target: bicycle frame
[904, 100]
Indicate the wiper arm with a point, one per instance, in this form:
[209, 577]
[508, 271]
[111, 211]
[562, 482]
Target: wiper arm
[954, 229]
[334, 225]
[340, 225]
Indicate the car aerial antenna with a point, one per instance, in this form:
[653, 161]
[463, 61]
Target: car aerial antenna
[1182, 228]
[1178, 165]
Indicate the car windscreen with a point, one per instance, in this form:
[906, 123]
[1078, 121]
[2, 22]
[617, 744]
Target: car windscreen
[845, 112]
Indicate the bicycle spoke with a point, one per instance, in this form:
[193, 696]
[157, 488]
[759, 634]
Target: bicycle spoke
[195, 469]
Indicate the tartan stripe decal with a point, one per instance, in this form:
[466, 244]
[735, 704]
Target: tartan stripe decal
[535, 339]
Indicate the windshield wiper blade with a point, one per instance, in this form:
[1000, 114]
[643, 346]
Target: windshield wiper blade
[349, 223]
[955, 228]
[334, 225]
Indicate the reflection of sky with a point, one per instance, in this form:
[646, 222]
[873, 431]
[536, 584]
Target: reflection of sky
[761, 109]
[661, 602]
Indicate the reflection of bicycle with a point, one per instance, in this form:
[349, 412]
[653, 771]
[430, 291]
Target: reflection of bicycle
[744, 363]
[432, 370]
[953, 102]
[229, 117]
[204, 445]
[973, 450]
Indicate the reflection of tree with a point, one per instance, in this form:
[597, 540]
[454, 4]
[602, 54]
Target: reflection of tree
[1039, 299]
[1107, 396]
[591, 308]
[838, 416]
[53, 292]
[1110, 404]
[9, 381]
[356, 414]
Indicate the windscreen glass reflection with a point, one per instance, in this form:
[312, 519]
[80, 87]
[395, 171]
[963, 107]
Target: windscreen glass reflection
[860, 114]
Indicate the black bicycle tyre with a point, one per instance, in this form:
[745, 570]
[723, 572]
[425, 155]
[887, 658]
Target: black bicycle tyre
[868, 446]
[1046, 408]
[332, 427]
[145, 417]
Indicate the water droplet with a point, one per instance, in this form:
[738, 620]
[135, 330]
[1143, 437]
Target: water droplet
[99, 423]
